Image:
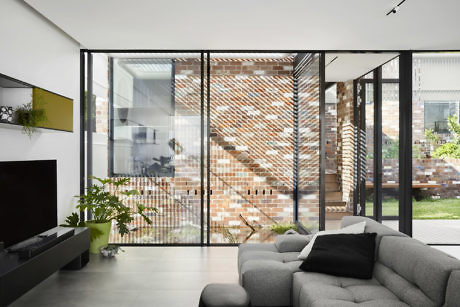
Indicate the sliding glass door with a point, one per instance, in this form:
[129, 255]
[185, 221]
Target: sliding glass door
[380, 125]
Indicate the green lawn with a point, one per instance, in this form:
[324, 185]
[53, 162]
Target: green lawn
[427, 209]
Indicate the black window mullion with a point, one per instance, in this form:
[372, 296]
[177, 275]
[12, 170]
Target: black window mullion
[89, 124]
[362, 151]
[356, 162]
[405, 143]
[202, 151]
[378, 144]
[295, 135]
[111, 118]
[322, 140]
[82, 127]
[208, 146]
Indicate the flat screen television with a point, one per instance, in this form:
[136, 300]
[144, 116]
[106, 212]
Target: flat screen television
[28, 199]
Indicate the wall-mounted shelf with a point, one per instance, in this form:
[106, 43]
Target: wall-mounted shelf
[18, 127]
[59, 109]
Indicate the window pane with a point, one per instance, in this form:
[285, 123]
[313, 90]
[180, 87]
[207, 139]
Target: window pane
[369, 100]
[436, 153]
[148, 129]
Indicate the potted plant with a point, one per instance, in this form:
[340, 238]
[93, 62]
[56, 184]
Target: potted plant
[29, 117]
[105, 208]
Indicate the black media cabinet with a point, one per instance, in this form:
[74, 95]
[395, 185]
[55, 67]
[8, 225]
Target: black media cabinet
[17, 276]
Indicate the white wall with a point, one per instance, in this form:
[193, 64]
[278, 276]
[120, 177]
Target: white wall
[35, 51]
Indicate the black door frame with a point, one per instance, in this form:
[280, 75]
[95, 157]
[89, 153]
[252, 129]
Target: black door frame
[405, 137]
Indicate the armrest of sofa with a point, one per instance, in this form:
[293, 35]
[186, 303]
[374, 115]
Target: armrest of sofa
[268, 282]
[292, 243]
[452, 291]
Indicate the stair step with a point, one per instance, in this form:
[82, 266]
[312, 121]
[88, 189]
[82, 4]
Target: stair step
[331, 178]
[332, 203]
[332, 187]
[337, 215]
[333, 195]
[336, 209]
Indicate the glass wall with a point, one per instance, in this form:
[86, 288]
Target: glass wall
[147, 116]
[252, 123]
[436, 147]
[307, 78]
[220, 168]
[390, 143]
[368, 84]
[389, 140]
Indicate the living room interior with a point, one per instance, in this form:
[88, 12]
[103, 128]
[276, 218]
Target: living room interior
[191, 160]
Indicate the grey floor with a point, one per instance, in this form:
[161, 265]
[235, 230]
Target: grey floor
[142, 276]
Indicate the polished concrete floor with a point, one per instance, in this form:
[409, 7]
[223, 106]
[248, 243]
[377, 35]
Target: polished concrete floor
[144, 276]
[141, 276]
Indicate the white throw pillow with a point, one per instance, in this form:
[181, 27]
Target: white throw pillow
[354, 229]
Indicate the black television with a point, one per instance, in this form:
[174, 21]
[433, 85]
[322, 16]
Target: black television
[28, 199]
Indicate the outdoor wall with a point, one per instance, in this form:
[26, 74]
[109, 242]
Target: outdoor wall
[435, 79]
[308, 84]
[345, 139]
[331, 129]
[251, 143]
[35, 51]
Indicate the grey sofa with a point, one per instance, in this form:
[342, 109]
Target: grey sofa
[406, 273]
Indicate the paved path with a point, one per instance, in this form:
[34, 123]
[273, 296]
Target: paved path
[433, 231]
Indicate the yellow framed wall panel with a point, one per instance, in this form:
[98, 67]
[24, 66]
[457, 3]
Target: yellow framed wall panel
[59, 109]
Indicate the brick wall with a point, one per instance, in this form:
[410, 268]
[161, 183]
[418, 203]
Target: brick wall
[331, 137]
[445, 172]
[345, 139]
[251, 157]
[251, 141]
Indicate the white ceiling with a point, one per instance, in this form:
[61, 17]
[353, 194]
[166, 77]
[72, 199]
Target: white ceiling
[341, 67]
[257, 24]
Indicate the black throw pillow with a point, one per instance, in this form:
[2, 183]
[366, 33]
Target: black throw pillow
[346, 255]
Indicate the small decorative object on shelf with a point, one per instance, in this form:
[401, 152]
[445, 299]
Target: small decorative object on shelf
[6, 114]
[110, 250]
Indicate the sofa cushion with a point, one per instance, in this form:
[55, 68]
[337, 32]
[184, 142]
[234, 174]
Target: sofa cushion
[371, 226]
[349, 255]
[317, 289]
[292, 242]
[373, 303]
[248, 247]
[406, 291]
[268, 282]
[269, 247]
[266, 255]
[355, 228]
[427, 268]
[453, 293]
[259, 255]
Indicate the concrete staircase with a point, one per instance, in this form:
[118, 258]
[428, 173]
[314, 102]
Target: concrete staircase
[336, 208]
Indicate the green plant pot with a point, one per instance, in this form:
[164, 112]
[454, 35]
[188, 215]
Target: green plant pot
[102, 232]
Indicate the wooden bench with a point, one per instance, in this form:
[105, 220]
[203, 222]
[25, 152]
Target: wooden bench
[416, 187]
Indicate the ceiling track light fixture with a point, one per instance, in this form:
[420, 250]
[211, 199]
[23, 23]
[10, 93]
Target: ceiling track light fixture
[396, 8]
